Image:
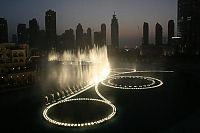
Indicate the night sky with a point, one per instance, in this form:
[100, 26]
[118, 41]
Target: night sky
[91, 13]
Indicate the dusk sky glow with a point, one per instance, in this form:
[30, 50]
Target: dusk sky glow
[92, 13]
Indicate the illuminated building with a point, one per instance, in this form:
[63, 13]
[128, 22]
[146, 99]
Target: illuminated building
[13, 54]
[3, 30]
[13, 64]
[145, 33]
[189, 25]
[115, 32]
[50, 26]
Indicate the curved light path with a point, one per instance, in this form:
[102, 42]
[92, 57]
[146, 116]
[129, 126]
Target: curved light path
[116, 74]
[153, 84]
[79, 124]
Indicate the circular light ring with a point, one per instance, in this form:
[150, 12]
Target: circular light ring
[154, 83]
[131, 77]
[45, 112]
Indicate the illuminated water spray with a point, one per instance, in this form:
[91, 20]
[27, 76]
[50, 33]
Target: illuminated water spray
[83, 66]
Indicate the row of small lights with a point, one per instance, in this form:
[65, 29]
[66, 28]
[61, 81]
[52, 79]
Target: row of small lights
[12, 76]
[69, 93]
[17, 75]
[79, 124]
[115, 76]
[131, 77]
[68, 99]
[149, 86]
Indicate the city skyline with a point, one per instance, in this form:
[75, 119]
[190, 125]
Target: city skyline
[131, 15]
[100, 66]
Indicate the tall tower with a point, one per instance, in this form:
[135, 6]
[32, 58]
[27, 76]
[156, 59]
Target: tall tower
[33, 33]
[89, 37]
[79, 36]
[145, 33]
[170, 31]
[115, 32]
[50, 26]
[98, 39]
[103, 32]
[189, 24]
[3, 30]
[22, 34]
[159, 35]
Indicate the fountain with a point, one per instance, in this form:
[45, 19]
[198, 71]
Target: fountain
[76, 72]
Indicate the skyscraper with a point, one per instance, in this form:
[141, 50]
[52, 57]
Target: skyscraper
[14, 38]
[159, 35]
[33, 33]
[84, 43]
[171, 28]
[189, 24]
[89, 37]
[50, 26]
[79, 36]
[103, 32]
[115, 32]
[98, 39]
[145, 33]
[3, 30]
[22, 34]
[68, 40]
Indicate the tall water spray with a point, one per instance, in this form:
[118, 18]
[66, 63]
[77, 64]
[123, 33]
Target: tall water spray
[75, 68]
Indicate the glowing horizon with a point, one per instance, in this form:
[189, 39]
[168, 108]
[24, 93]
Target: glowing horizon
[92, 13]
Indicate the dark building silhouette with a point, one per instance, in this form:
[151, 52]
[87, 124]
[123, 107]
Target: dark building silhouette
[115, 32]
[14, 38]
[50, 27]
[69, 39]
[89, 38]
[171, 27]
[98, 39]
[33, 33]
[66, 41]
[145, 33]
[3, 30]
[79, 36]
[159, 35]
[103, 32]
[189, 25]
[85, 45]
[42, 40]
[22, 34]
